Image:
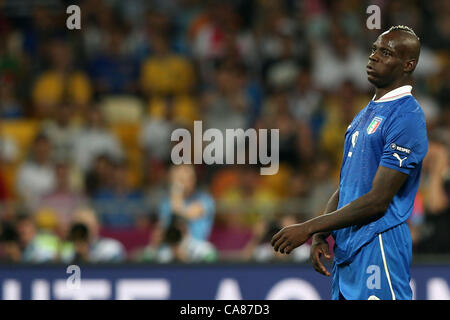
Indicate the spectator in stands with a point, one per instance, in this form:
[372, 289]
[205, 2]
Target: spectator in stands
[95, 139]
[8, 156]
[155, 185]
[175, 244]
[99, 177]
[79, 239]
[305, 101]
[437, 32]
[9, 244]
[120, 205]
[43, 25]
[226, 105]
[244, 198]
[64, 199]
[37, 246]
[297, 199]
[295, 137]
[206, 31]
[10, 106]
[259, 248]
[62, 130]
[187, 201]
[100, 249]
[339, 61]
[323, 183]
[113, 70]
[99, 19]
[282, 71]
[156, 130]
[36, 177]
[164, 72]
[339, 108]
[433, 236]
[12, 69]
[8, 149]
[436, 170]
[417, 219]
[60, 81]
[275, 31]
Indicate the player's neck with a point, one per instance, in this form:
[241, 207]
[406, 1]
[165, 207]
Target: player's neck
[379, 92]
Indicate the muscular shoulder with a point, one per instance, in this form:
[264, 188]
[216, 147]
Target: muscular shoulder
[410, 108]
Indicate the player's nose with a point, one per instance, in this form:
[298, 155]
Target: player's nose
[373, 57]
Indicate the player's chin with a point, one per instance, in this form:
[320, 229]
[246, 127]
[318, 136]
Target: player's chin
[373, 79]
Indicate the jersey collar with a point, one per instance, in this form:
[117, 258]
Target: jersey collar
[395, 94]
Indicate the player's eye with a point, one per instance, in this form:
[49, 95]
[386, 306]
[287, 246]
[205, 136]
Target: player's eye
[386, 52]
[374, 49]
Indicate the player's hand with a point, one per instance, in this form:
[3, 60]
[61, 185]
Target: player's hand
[290, 237]
[318, 249]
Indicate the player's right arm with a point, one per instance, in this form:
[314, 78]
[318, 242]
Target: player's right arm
[320, 244]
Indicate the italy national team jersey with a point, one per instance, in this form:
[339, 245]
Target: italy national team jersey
[372, 261]
[389, 132]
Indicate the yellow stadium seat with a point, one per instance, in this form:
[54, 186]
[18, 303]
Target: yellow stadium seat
[128, 134]
[22, 132]
[122, 109]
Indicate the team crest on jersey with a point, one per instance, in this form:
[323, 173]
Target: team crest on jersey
[374, 124]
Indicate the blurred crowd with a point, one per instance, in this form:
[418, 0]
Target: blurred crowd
[86, 117]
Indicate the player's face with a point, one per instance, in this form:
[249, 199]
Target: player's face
[385, 64]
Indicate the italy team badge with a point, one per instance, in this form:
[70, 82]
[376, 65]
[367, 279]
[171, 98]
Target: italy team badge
[373, 126]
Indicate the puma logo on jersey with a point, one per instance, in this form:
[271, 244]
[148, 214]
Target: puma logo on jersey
[396, 156]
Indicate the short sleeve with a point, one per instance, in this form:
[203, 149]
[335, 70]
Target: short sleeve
[405, 144]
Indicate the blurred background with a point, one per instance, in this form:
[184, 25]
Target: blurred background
[86, 117]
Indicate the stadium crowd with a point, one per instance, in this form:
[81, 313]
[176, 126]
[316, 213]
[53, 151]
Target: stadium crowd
[86, 117]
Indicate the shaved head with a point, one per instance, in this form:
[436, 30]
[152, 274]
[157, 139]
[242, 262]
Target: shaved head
[394, 57]
[408, 42]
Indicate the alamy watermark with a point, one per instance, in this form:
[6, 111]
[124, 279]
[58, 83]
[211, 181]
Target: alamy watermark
[374, 278]
[221, 147]
[73, 282]
[74, 20]
[374, 20]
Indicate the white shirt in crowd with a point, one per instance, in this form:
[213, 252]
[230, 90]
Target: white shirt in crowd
[91, 143]
[34, 181]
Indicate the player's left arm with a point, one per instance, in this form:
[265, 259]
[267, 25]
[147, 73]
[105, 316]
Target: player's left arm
[363, 210]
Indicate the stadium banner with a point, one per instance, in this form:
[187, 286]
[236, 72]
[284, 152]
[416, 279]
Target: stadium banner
[191, 282]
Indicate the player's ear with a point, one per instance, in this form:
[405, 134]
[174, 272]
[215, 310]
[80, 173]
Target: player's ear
[410, 65]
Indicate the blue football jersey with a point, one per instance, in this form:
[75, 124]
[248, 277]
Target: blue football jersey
[390, 133]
